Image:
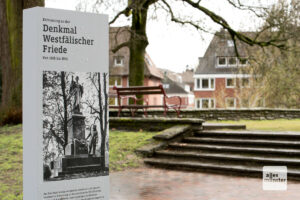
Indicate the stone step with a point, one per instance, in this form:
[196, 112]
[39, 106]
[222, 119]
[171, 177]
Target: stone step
[228, 169]
[227, 148]
[248, 134]
[229, 158]
[214, 126]
[243, 142]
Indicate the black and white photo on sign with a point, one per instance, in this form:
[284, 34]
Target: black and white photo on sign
[75, 125]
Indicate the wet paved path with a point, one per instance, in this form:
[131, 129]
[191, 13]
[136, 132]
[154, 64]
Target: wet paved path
[158, 184]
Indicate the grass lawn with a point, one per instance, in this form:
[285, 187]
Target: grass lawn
[267, 125]
[11, 163]
[122, 156]
[122, 146]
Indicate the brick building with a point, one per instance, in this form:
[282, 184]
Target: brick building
[222, 80]
[119, 67]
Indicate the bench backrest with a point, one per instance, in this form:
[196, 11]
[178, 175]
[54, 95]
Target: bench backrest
[139, 90]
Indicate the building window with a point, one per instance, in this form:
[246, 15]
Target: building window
[245, 103]
[260, 103]
[222, 61]
[119, 61]
[115, 81]
[198, 83]
[230, 43]
[230, 82]
[243, 61]
[245, 82]
[212, 83]
[113, 101]
[187, 88]
[166, 86]
[205, 83]
[230, 102]
[198, 105]
[232, 61]
[205, 103]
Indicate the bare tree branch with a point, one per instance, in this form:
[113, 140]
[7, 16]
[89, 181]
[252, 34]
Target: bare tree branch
[183, 22]
[125, 12]
[149, 2]
[120, 46]
[234, 34]
[241, 6]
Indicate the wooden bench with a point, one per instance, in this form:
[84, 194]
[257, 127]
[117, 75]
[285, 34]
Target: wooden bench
[133, 91]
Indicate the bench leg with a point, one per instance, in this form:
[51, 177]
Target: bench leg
[119, 113]
[145, 112]
[132, 112]
[165, 112]
[178, 113]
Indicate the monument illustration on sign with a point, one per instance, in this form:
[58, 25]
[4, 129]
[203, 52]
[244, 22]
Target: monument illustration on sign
[71, 117]
[65, 98]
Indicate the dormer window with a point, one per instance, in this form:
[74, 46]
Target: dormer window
[119, 61]
[148, 61]
[222, 61]
[166, 86]
[230, 43]
[232, 61]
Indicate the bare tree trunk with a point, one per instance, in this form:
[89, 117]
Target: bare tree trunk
[105, 121]
[11, 51]
[102, 123]
[138, 44]
[4, 45]
[64, 96]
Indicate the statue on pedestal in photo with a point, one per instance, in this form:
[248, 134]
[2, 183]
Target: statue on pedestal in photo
[76, 90]
[76, 129]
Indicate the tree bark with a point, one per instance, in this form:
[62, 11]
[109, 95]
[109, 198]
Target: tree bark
[65, 102]
[11, 51]
[101, 121]
[104, 121]
[138, 44]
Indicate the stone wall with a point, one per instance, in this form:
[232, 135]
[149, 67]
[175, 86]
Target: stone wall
[224, 114]
[151, 124]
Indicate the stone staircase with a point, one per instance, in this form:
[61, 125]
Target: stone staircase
[234, 152]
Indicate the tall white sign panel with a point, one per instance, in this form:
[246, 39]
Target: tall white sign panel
[65, 105]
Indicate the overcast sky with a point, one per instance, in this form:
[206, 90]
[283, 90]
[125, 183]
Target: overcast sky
[172, 46]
